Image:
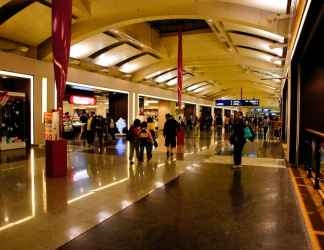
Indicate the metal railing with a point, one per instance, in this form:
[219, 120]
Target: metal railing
[313, 144]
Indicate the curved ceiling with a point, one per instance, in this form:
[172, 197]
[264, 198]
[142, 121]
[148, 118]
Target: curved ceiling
[228, 44]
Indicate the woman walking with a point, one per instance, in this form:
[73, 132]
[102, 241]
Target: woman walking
[238, 140]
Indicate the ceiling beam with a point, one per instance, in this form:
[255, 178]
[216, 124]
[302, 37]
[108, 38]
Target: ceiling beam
[190, 10]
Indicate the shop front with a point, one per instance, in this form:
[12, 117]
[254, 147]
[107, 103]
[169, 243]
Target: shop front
[16, 113]
[109, 108]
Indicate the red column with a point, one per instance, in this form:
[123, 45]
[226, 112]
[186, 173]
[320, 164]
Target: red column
[56, 151]
[180, 70]
[180, 135]
[61, 40]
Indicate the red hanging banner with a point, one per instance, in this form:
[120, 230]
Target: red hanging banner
[61, 41]
[180, 70]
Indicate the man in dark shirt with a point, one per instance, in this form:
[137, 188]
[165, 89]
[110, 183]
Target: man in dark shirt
[170, 130]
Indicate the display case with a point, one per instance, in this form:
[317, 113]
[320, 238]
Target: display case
[12, 120]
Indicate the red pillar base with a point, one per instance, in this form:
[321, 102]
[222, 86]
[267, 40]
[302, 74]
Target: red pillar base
[56, 158]
[180, 137]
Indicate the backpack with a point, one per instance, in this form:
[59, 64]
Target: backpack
[143, 134]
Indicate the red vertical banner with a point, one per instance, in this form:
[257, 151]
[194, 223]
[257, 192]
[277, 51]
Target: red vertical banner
[180, 70]
[61, 41]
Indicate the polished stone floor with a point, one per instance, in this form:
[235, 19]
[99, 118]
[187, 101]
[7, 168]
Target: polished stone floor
[44, 213]
[208, 207]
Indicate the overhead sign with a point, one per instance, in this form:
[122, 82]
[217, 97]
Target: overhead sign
[82, 100]
[244, 102]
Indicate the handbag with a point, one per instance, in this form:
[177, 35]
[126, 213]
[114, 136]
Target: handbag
[247, 133]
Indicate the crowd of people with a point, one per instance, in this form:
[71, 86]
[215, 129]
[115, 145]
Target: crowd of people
[89, 127]
[142, 136]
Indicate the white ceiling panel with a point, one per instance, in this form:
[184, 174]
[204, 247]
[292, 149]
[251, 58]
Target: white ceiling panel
[116, 55]
[167, 76]
[260, 56]
[203, 88]
[276, 6]
[138, 63]
[254, 31]
[175, 80]
[91, 45]
[196, 85]
[30, 26]
[257, 43]
[156, 73]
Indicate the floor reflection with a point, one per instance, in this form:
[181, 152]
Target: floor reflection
[17, 196]
[100, 183]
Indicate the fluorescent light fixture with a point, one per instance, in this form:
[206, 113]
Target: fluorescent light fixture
[174, 81]
[91, 45]
[277, 6]
[201, 89]
[152, 101]
[96, 87]
[167, 76]
[156, 73]
[116, 55]
[196, 85]
[260, 55]
[255, 31]
[44, 97]
[257, 43]
[138, 63]
[31, 78]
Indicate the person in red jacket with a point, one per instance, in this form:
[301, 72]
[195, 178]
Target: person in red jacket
[132, 137]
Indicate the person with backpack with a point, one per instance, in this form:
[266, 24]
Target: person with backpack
[152, 129]
[145, 142]
[132, 137]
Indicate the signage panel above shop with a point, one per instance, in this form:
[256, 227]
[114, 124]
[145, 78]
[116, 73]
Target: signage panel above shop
[82, 100]
[243, 102]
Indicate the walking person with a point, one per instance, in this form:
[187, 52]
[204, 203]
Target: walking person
[266, 123]
[100, 129]
[132, 137]
[170, 130]
[237, 139]
[91, 128]
[227, 124]
[145, 142]
[152, 128]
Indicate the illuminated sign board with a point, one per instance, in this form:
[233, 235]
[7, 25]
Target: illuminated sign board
[82, 100]
[244, 102]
